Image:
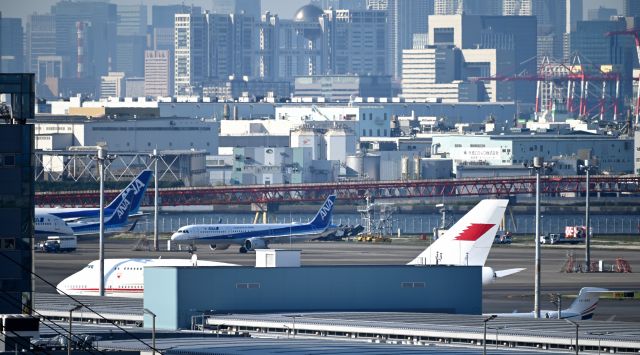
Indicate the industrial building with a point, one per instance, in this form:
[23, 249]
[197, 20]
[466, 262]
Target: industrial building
[342, 87]
[177, 294]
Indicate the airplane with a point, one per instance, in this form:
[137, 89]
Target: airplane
[256, 236]
[82, 221]
[469, 241]
[138, 187]
[123, 277]
[582, 308]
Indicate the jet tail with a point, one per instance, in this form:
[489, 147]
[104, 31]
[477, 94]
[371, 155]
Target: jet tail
[586, 302]
[136, 189]
[325, 213]
[469, 241]
[120, 212]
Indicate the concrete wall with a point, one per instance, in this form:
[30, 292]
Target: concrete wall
[177, 293]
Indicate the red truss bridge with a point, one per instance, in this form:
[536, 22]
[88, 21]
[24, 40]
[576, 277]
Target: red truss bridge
[357, 190]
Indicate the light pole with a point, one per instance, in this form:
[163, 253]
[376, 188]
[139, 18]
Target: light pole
[294, 322]
[537, 165]
[100, 158]
[69, 342]
[155, 156]
[587, 241]
[577, 328]
[484, 336]
[153, 329]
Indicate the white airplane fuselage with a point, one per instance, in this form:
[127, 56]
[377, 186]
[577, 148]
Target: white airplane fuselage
[123, 277]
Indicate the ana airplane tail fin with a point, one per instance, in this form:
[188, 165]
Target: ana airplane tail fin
[120, 212]
[133, 192]
[325, 213]
[469, 241]
[586, 302]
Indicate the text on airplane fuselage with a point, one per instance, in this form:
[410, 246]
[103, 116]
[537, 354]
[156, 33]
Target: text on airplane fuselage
[136, 187]
[326, 208]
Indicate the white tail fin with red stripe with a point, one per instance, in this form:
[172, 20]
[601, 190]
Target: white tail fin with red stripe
[469, 241]
[585, 304]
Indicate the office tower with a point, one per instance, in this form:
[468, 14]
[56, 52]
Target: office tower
[573, 14]
[100, 36]
[11, 45]
[468, 7]
[514, 38]
[220, 46]
[157, 73]
[112, 85]
[356, 41]
[341, 4]
[40, 39]
[406, 18]
[190, 49]
[268, 32]
[134, 87]
[162, 21]
[601, 14]
[631, 8]
[131, 39]
[245, 45]
[248, 7]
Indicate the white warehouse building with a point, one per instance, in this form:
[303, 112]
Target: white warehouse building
[613, 154]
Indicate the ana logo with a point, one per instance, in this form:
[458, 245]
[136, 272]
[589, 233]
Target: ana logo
[135, 187]
[326, 208]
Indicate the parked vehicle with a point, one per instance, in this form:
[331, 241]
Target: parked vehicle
[502, 239]
[57, 244]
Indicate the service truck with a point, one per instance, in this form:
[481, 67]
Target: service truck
[57, 244]
[571, 235]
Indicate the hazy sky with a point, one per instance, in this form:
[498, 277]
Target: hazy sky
[284, 8]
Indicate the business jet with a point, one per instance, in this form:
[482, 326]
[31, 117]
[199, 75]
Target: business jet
[135, 189]
[469, 241]
[256, 236]
[582, 308]
[122, 277]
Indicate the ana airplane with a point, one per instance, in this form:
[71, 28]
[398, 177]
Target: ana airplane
[582, 308]
[132, 194]
[123, 277]
[82, 221]
[469, 241]
[256, 236]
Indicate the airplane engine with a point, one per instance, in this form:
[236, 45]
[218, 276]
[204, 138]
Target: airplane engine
[254, 243]
[488, 275]
[219, 246]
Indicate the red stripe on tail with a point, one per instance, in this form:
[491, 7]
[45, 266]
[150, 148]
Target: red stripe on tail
[474, 231]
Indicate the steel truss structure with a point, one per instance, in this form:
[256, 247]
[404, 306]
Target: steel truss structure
[79, 166]
[290, 193]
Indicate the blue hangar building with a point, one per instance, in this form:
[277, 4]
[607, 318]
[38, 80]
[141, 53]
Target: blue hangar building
[176, 293]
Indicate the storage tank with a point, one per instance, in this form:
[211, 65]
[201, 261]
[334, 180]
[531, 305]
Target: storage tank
[341, 142]
[416, 167]
[366, 166]
[307, 136]
[404, 167]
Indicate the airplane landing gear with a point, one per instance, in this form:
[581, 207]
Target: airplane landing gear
[243, 250]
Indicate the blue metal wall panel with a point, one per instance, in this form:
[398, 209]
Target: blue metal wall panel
[434, 289]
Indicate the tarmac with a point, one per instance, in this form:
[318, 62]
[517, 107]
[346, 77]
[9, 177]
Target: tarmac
[512, 293]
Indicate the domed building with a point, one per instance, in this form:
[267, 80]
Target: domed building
[309, 17]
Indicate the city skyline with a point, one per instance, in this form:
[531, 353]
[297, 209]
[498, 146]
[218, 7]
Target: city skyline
[284, 9]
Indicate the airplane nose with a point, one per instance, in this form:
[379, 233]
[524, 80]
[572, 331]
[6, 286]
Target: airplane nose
[176, 236]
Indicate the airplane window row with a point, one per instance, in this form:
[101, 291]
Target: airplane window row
[129, 268]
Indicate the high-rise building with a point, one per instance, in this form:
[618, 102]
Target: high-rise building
[11, 45]
[573, 13]
[356, 41]
[244, 40]
[132, 39]
[220, 46]
[247, 7]
[190, 48]
[406, 18]
[100, 52]
[157, 73]
[40, 39]
[631, 8]
[514, 38]
[342, 4]
[601, 14]
[468, 7]
[134, 87]
[112, 85]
